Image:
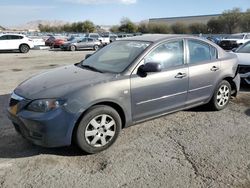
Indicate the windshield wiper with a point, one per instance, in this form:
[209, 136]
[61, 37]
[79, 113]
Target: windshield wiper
[91, 68]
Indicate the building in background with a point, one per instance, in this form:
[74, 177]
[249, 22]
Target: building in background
[185, 19]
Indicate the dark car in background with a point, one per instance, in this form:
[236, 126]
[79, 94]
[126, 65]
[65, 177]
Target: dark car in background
[126, 82]
[81, 43]
[234, 41]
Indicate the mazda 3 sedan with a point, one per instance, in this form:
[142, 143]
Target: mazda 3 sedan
[127, 82]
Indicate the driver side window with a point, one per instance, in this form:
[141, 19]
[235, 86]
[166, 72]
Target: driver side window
[169, 54]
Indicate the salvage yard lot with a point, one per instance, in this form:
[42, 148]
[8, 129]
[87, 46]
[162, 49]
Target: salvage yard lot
[193, 148]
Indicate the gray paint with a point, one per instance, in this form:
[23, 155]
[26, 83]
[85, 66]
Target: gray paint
[141, 98]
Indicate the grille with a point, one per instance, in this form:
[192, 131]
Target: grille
[244, 69]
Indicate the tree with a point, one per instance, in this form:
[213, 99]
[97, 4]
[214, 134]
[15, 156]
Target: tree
[230, 20]
[245, 21]
[127, 26]
[158, 28]
[87, 26]
[179, 28]
[115, 29]
[197, 28]
[215, 26]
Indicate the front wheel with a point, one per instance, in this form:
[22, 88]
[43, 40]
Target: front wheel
[221, 96]
[24, 48]
[98, 129]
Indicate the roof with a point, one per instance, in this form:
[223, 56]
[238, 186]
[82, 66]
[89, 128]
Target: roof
[1, 34]
[154, 37]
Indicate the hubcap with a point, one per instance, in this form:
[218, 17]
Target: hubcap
[223, 95]
[100, 130]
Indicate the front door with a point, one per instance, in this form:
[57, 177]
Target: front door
[161, 92]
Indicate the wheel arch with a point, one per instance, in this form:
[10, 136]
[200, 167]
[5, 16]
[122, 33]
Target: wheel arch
[23, 44]
[232, 84]
[113, 105]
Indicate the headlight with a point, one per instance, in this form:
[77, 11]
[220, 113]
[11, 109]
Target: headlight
[45, 105]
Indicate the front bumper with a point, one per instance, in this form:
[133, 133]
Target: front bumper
[51, 129]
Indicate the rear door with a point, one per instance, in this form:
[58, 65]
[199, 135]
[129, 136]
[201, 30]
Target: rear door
[83, 43]
[14, 41]
[204, 69]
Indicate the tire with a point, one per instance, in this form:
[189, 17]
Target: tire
[98, 129]
[221, 96]
[24, 48]
[96, 47]
[72, 48]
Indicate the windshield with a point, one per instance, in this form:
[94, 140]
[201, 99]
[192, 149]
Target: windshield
[117, 56]
[245, 48]
[235, 37]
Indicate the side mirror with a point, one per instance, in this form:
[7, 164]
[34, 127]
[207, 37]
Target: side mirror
[151, 67]
[87, 56]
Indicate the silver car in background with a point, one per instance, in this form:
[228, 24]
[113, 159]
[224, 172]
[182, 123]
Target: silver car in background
[126, 82]
[243, 54]
[82, 43]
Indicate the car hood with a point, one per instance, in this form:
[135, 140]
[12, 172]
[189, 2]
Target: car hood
[244, 58]
[59, 82]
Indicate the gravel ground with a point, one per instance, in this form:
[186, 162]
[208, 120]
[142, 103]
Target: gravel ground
[193, 148]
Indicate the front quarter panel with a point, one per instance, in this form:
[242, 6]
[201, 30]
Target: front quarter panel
[116, 91]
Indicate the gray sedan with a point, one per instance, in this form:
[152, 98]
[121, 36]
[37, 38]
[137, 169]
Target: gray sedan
[122, 84]
[83, 43]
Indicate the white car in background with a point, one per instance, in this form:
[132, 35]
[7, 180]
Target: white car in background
[243, 53]
[16, 42]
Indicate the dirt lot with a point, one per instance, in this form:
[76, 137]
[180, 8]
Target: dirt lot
[194, 148]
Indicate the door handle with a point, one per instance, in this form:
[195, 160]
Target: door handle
[214, 68]
[181, 75]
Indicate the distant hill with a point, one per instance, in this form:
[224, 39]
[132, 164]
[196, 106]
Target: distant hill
[33, 25]
[2, 28]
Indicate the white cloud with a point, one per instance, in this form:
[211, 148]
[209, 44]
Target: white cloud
[102, 1]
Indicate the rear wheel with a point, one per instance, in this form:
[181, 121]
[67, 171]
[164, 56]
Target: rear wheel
[221, 96]
[24, 48]
[98, 129]
[72, 48]
[96, 47]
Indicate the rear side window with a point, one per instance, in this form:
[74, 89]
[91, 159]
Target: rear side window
[200, 52]
[15, 37]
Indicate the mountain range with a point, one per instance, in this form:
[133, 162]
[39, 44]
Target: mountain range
[33, 25]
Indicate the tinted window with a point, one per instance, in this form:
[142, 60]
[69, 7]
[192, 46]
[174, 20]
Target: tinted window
[94, 36]
[15, 37]
[168, 55]
[90, 40]
[5, 37]
[198, 51]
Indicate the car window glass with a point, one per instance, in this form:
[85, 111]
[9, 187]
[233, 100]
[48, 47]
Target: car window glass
[5, 37]
[168, 55]
[90, 40]
[244, 49]
[117, 56]
[214, 54]
[198, 51]
[14, 37]
[84, 40]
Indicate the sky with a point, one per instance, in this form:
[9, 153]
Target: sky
[108, 12]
